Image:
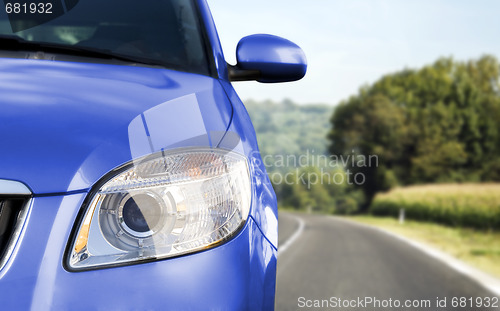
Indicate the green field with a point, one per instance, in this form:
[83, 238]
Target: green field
[459, 205]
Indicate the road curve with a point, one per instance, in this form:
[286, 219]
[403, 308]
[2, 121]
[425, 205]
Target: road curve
[335, 258]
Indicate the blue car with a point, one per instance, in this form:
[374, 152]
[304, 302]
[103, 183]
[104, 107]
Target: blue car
[130, 177]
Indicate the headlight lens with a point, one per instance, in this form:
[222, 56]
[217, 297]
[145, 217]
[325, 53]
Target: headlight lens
[165, 205]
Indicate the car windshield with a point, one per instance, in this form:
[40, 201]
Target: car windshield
[150, 32]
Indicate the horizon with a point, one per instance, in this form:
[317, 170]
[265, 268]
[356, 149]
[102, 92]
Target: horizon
[353, 44]
[284, 99]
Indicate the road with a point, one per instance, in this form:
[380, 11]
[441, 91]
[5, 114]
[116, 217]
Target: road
[335, 258]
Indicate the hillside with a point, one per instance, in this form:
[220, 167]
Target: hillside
[287, 128]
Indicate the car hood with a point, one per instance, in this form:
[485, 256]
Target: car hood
[64, 125]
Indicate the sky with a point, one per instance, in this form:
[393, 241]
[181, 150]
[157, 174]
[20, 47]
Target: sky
[351, 43]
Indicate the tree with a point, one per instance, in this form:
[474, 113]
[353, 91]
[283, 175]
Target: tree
[436, 124]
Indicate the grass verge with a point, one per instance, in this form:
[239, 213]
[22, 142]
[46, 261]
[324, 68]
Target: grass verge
[478, 248]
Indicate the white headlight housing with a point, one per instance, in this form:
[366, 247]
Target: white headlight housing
[162, 206]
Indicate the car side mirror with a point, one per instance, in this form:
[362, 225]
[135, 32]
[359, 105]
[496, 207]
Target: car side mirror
[268, 59]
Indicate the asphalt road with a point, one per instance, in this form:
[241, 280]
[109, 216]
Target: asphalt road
[333, 258]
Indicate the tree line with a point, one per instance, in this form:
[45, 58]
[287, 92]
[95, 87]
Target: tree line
[432, 125]
[436, 124]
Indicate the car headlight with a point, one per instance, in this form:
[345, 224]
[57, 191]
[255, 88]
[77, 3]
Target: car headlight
[164, 205]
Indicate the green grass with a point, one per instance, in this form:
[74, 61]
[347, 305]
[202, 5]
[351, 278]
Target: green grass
[464, 205]
[480, 249]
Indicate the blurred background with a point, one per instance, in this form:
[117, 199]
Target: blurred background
[396, 125]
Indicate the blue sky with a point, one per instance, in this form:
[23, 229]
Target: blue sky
[350, 43]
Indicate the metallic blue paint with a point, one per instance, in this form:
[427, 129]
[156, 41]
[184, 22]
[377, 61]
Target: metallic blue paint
[277, 59]
[68, 124]
[213, 38]
[265, 211]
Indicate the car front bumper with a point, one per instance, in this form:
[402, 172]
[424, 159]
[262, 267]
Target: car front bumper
[238, 275]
